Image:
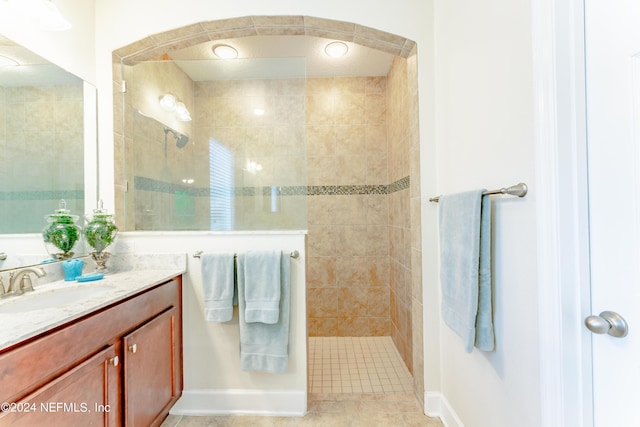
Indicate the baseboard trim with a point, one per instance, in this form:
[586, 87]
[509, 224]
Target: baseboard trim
[282, 403]
[436, 405]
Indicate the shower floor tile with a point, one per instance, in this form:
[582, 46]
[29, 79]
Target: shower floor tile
[339, 365]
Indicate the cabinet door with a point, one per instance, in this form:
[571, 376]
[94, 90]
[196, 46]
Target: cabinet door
[150, 362]
[87, 395]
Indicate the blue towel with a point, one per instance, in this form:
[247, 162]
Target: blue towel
[265, 347]
[218, 286]
[465, 267]
[262, 286]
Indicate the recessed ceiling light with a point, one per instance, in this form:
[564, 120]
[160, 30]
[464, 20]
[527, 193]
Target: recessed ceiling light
[336, 49]
[224, 51]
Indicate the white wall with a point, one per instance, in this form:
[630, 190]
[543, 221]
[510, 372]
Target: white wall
[73, 50]
[484, 131]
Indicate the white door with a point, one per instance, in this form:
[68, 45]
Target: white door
[613, 138]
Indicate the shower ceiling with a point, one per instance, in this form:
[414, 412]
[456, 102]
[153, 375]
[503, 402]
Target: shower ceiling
[359, 61]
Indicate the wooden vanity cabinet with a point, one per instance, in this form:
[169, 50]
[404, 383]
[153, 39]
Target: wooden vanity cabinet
[86, 395]
[121, 365]
[150, 386]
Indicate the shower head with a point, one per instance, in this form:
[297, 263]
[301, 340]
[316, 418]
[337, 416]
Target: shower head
[181, 139]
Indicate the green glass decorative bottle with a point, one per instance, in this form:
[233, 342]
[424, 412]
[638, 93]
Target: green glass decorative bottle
[62, 235]
[100, 233]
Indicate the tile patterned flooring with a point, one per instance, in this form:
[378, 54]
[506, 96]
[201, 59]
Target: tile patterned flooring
[353, 382]
[357, 365]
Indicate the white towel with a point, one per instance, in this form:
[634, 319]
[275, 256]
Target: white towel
[465, 267]
[218, 286]
[262, 281]
[265, 347]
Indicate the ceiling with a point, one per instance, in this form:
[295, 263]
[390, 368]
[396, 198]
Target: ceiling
[259, 57]
[33, 70]
[280, 56]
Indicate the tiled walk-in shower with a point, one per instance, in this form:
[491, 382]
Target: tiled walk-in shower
[356, 365]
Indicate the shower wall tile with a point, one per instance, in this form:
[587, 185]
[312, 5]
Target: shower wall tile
[351, 272]
[325, 302]
[352, 170]
[322, 273]
[323, 326]
[353, 300]
[322, 170]
[345, 86]
[377, 84]
[377, 209]
[379, 326]
[351, 240]
[286, 139]
[350, 139]
[321, 140]
[352, 210]
[347, 145]
[416, 346]
[404, 205]
[416, 226]
[321, 241]
[378, 271]
[375, 108]
[377, 240]
[320, 108]
[352, 326]
[322, 210]
[349, 108]
[378, 301]
[376, 169]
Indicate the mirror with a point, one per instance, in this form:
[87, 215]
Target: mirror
[47, 131]
[238, 164]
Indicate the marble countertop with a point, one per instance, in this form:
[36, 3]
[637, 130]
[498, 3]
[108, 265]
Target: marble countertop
[16, 327]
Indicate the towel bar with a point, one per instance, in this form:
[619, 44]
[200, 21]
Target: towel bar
[294, 254]
[519, 190]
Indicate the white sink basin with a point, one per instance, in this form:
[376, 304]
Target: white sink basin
[52, 298]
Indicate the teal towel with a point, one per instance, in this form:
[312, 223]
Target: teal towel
[262, 286]
[265, 347]
[465, 267]
[218, 286]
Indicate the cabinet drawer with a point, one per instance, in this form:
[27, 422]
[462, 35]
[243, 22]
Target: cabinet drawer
[26, 367]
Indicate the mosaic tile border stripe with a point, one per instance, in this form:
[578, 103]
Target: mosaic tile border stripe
[148, 184]
[401, 184]
[42, 195]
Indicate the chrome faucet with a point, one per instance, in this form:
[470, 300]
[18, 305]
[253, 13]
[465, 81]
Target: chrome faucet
[21, 281]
